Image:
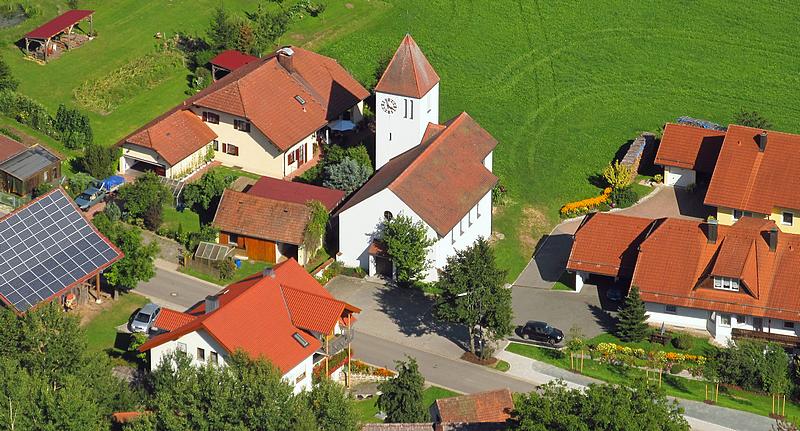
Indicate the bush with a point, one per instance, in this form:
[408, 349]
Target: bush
[623, 198]
[99, 161]
[574, 209]
[676, 369]
[346, 176]
[27, 111]
[77, 183]
[73, 127]
[683, 341]
[658, 178]
[10, 134]
[112, 211]
[226, 268]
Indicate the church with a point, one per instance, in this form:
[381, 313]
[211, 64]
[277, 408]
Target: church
[436, 173]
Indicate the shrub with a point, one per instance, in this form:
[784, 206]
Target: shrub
[619, 176]
[99, 161]
[27, 111]
[348, 175]
[623, 198]
[153, 216]
[676, 369]
[658, 178]
[73, 127]
[7, 81]
[10, 134]
[499, 193]
[226, 268]
[683, 341]
[112, 211]
[42, 189]
[78, 182]
[574, 209]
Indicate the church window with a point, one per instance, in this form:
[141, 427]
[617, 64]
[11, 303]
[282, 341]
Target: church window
[409, 111]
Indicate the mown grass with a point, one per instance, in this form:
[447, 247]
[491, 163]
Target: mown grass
[249, 267]
[101, 331]
[227, 170]
[674, 386]
[187, 219]
[366, 409]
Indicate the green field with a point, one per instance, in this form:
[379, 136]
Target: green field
[101, 330]
[561, 85]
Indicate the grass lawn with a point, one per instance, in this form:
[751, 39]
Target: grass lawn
[502, 366]
[101, 330]
[366, 409]
[700, 346]
[674, 386]
[249, 267]
[188, 219]
[236, 172]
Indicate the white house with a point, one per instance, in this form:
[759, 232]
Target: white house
[291, 320]
[266, 117]
[439, 174]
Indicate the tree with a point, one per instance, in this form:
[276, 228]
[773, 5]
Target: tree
[347, 175]
[99, 161]
[407, 244]
[473, 294]
[137, 264]
[205, 192]
[314, 235]
[221, 32]
[335, 154]
[7, 80]
[598, 408]
[401, 396]
[153, 216]
[112, 211]
[268, 26]
[332, 406]
[77, 183]
[632, 318]
[775, 375]
[751, 119]
[576, 342]
[619, 176]
[142, 194]
[73, 127]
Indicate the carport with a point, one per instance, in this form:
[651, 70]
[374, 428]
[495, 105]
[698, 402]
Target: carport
[141, 166]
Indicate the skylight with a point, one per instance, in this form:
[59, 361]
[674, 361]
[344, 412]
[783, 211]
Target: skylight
[299, 338]
[300, 100]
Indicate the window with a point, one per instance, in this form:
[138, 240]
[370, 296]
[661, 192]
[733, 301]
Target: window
[671, 309]
[210, 117]
[788, 325]
[788, 218]
[290, 158]
[300, 377]
[181, 347]
[201, 354]
[44, 176]
[461, 226]
[231, 149]
[387, 215]
[725, 320]
[300, 340]
[242, 126]
[390, 136]
[300, 100]
[469, 217]
[233, 238]
[453, 236]
[737, 214]
[213, 358]
[741, 319]
[726, 283]
[215, 144]
[478, 209]
[409, 112]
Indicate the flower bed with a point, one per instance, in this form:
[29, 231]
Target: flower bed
[611, 350]
[574, 209]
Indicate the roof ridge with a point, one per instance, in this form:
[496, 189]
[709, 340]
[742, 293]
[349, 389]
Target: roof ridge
[285, 286]
[286, 306]
[407, 171]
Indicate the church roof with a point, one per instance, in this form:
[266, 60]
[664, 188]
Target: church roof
[442, 178]
[409, 73]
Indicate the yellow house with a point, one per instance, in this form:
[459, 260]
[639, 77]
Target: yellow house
[757, 175]
[266, 117]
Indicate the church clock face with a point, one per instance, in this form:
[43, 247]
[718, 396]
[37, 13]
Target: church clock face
[389, 106]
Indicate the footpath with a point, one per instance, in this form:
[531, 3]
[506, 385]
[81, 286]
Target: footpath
[700, 416]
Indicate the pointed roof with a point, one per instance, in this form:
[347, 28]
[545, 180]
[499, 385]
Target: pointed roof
[409, 73]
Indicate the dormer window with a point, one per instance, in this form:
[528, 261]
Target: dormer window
[787, 219]
[737, 214]
[242, 126]
[726, 283]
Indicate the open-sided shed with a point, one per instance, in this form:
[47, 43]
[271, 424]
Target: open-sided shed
[45, 34]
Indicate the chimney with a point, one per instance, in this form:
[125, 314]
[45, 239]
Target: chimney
[285, 58]
[711, 231]
[772, 238]
[268, 272]
[212, 303]
[761, 140]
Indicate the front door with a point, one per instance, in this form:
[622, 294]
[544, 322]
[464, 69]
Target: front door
[758, 324]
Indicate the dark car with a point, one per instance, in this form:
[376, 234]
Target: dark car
[90, 197]
[541, 331]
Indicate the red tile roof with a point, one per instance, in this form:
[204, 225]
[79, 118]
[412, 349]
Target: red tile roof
[170, 320]
[408, 73]
[232, 59]
[689, 147]
[256, 315]
[257, 217]
[9, 148]
[265, 91]
[750, 180]
[606, 244]
[175, 137]
[442, 178]
[58, 24]
[289, 191]
[489, 406]
[125, 417]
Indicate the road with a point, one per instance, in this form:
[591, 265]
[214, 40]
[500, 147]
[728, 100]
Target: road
[172, 289]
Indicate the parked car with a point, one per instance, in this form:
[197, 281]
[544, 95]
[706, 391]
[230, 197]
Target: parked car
[541, 331]
[111, 184]
[144, 318]
[90, 197]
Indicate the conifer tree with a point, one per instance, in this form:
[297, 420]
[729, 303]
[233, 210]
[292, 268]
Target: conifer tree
[632, 324]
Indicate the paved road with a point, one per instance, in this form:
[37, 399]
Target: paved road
[172, 289]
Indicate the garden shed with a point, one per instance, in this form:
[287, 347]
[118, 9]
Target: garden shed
[57, 35]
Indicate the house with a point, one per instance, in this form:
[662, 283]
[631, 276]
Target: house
[269, 221]
[23, 168]
[437, 174]
[266, 116]
[482, 407]
[688, 152]
[49, 249]
[283, 315]
[757, 175]
[733, 281]
[227, 61]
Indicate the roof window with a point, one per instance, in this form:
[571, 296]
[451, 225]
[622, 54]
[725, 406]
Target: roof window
[300, 100]
[299, 338]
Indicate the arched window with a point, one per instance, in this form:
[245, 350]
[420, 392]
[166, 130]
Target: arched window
[387, 215]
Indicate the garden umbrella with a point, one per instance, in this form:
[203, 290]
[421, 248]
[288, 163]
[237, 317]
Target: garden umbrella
[342, 125]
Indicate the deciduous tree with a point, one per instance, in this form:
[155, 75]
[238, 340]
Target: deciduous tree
[618, 176]
[99, 161]
[204, 194]
[407, 244]
[137, 264]
[73, 127]
[473, 294]
[268, 25]
[632, 318]
[332, 406]
[401, 396]
[142, 194]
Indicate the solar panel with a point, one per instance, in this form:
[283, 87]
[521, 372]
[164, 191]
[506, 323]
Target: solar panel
[45, 248]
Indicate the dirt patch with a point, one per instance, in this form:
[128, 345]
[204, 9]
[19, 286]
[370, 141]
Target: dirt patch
[297, 36]
[91, 309]
[471, 357]
[349, 5]
[533, 223]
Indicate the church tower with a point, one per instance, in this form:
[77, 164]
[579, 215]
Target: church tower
[406, 100]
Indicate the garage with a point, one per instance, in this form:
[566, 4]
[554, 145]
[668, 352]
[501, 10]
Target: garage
[136, 165]
[679, 177]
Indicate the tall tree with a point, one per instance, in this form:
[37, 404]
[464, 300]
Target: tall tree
[7, 80]
[598, 408]
[73, 127]
[751, 119]
[221, 32]
[268, 25]
[204, 193]
[473, 294]
[407, 243]
[145, 192]
[632, 318]
[401, 396]
[137, 264]
[99, 161]
[333, 408]
[347, 175]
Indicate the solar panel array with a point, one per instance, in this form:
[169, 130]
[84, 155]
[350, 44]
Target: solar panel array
[45, 247]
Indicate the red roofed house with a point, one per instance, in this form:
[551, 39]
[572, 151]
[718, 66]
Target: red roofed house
[687, 152]
[283, 315]
[268, 223]
[482, 407]
[265, 117]
[439, 174]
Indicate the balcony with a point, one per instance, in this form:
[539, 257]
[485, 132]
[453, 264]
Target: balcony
[784, 340]
[336, 344]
